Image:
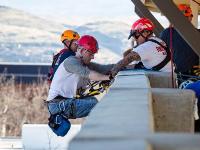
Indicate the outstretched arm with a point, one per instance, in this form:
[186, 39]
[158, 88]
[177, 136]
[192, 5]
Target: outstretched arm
[104, 69]
[124, 62]
[97, 76]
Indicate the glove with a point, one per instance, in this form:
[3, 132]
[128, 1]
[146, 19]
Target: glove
[196, 70]
[106, 83]
[111, 77]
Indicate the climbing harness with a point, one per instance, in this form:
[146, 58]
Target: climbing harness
[95, 88]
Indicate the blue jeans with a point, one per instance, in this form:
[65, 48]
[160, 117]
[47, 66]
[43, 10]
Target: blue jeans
[72, 108]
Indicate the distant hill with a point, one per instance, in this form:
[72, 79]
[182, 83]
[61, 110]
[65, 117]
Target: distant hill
[26, 38]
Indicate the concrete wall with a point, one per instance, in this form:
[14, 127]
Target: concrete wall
[173, 110]
[133, 115]
[160, 79]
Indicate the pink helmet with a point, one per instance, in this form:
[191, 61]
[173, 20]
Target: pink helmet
[141, 25]
[89, 43]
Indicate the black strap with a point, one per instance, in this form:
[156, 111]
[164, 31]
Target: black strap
[167, 58]
[70, 44]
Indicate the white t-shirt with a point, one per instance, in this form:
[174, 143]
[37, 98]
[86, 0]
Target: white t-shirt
[152, 54]
[67, 77]
[71, 75]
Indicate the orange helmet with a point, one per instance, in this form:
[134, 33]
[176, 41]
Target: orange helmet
[187, 11]
[69, 35]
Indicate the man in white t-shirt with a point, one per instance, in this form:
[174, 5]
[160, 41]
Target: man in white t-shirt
[74, 72]
[150, 50]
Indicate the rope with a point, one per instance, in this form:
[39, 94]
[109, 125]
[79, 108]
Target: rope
[172, 66]
[191, 76]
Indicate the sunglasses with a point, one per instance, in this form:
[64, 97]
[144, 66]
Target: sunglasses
[134, 34]
[80, 48]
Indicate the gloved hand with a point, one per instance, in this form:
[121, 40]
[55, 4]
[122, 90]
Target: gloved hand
[107, 83]
[196, 70]
[111, 77]
[127, 52]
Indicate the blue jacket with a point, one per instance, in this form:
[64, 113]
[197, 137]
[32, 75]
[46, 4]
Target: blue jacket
[195, 87]
[62, 57]
[183, 55]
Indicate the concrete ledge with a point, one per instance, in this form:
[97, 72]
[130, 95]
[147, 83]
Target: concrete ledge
[173, 110]
[110, 144]
[125, 112]
[120, 116]
[133, 81]
[159, 141]
[131, 117]
[155, 79]
[160, 79]
[173, 141]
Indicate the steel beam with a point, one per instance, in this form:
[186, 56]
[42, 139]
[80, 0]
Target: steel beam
[183, 26]
[142, 11]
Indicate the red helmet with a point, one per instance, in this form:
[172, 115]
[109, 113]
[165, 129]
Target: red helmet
[141, 25]
[187, 11]
[89, 43]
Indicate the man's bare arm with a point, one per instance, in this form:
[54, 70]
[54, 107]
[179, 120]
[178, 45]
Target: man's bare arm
[95, 76]
[127, 52]
[124, 62]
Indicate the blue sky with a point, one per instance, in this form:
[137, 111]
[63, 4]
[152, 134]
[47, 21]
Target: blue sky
[77, 11]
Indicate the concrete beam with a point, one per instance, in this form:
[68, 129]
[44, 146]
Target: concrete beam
[173, 110]
[159, 141]
[164, 141]
[131, 117]
[109, 144]
[120, 116]
[131, 81]
[160, 79]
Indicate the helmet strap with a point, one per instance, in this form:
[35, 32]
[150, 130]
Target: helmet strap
[65, 43]
[69, 47]
[147, 37]
[70, 44]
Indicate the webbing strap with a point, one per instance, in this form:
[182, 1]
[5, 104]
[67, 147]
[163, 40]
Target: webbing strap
[167, 58]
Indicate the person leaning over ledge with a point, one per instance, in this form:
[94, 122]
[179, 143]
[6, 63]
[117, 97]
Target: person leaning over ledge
[73, 73]
[150, 50]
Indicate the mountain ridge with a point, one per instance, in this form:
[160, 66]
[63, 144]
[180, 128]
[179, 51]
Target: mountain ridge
[28, 38]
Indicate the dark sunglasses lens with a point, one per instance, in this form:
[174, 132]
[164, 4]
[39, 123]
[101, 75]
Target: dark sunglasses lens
[132, 32]
[136, 36]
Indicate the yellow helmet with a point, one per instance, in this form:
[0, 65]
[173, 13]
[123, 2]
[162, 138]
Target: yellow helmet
[69, 35]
